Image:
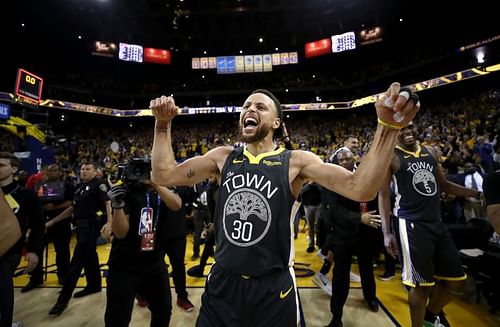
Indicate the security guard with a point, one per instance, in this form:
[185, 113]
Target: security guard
[90, 202]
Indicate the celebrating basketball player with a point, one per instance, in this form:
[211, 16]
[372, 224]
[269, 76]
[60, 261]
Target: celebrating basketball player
[427, 251]
[252, 282]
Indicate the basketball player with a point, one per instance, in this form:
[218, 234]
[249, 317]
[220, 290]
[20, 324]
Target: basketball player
[253, 282]
[427, 251]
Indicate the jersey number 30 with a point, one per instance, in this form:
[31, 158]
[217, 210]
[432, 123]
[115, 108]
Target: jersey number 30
[242, 230]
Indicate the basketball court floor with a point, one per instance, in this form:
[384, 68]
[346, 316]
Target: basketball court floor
[33, 307]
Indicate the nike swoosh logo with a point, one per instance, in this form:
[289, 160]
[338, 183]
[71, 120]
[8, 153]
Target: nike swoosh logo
[237, 161]
[284, 295]
[406, 157]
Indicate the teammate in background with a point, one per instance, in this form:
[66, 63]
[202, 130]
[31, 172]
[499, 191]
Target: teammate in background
[426, 250]
[253, 282]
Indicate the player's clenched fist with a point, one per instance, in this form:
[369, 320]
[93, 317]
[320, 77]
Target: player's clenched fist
[397, 107]
[163, 108]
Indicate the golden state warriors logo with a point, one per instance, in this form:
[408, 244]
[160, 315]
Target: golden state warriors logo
[247, 217]
[424, 182]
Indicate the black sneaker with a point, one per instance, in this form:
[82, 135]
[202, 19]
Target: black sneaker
[195, 271]
[85, 292]
[386, 276]
[30, 286]
[373, 305]
[58, 308]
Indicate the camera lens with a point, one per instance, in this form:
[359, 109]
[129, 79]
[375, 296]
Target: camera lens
[137, 171]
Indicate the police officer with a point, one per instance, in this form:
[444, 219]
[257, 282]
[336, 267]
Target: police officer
[27, 208]
[90, 202]
[56, 195]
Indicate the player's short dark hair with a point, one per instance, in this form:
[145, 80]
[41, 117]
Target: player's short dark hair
[279, 131]
[277, 103]
[14, 161]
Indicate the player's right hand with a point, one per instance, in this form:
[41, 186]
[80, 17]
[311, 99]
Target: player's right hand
[390, 244]
[163, 108]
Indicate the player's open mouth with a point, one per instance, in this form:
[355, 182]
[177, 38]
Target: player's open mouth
[249, 124]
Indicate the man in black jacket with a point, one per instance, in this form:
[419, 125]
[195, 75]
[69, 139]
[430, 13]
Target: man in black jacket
[27, 208]
[56, 195]
[136, 262]
[353, 233]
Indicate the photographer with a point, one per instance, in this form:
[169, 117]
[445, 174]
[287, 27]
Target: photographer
[136, 264]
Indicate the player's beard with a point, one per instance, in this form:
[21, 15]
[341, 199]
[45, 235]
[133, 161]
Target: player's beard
[260, 132]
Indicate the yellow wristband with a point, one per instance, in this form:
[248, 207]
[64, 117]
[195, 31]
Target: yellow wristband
[383, 123]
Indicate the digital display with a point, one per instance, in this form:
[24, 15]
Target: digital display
[370, 35]
[28, 85]
[130, 52]
[157, 56]
[318, 48]
[343, 42]
[104, 49]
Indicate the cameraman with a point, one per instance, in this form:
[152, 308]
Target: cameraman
[136, 264]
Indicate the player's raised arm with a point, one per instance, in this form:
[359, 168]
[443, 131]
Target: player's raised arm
[165, 170]
[395, 109]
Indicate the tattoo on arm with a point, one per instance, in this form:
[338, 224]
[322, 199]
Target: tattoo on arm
[190, 173]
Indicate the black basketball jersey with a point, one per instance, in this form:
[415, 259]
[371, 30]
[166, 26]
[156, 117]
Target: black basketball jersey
[415, 185]
[253, 217]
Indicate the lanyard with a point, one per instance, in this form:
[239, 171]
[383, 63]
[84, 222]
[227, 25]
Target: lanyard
[158, 202]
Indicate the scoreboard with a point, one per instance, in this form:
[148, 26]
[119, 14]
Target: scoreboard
[28, 86]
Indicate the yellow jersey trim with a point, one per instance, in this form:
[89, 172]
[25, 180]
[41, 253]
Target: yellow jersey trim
[419, 284]
[416, 154]
[464, 277]
[255, 160]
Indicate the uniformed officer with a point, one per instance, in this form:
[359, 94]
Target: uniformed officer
[90, 202]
